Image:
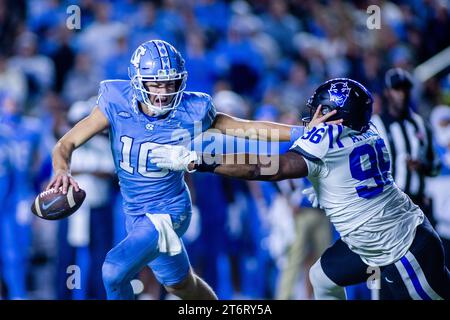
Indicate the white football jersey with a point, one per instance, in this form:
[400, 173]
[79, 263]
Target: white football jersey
[351, 175]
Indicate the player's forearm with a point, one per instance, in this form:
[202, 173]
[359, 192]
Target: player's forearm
[241, 171]
[266, 130]
[62, 153]
[290, 165]
[261, 130]
[84, 130]
[240, 166]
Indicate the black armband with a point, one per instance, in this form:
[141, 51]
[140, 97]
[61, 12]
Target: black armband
[203, 167]
[208, 165]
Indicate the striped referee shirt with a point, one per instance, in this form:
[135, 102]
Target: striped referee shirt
[408, 138]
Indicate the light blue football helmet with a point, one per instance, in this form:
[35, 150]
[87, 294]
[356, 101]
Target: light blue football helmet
[156, 61]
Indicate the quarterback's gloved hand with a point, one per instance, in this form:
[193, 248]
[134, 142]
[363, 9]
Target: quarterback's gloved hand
[176, 158]
[312, 196]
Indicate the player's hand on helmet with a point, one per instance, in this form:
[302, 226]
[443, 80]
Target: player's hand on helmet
[62, 178]
[318, 118]
[311, 196]
[176, 158]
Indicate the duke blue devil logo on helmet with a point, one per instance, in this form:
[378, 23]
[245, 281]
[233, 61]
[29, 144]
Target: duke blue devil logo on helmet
[339, 93]
[351, 100]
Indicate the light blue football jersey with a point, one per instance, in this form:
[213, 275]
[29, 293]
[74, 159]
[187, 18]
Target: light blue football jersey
[146, 188]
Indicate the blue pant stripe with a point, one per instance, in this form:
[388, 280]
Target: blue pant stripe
[415, 281]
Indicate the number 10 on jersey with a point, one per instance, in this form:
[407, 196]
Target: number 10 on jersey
[144, 150]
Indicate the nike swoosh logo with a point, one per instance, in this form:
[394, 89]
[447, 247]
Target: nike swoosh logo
[48, 205]
[124, 114]
[390, 281]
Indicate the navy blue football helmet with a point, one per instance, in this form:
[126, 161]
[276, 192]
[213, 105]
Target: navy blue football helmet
[351, 99]
[156, 61]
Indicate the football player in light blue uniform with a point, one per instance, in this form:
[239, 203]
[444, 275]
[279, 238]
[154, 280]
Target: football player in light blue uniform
[142, 114]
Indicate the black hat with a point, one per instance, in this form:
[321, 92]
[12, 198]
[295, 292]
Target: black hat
[397, 78]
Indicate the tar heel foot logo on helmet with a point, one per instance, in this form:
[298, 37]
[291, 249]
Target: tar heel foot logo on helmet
[339, 93]
[158, 76]
[136, 58]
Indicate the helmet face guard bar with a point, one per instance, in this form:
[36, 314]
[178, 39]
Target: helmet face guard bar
[138, 81]
[325, 109]
[157, 61]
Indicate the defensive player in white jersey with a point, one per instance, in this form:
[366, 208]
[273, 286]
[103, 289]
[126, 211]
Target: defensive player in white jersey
[349, 167]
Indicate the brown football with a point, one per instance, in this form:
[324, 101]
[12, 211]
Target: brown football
[54, 205]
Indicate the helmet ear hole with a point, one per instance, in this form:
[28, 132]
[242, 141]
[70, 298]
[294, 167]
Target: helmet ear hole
[325, 109]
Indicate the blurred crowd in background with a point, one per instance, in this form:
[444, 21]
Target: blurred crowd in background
[259, 59]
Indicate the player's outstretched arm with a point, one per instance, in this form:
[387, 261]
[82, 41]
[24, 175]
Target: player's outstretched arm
[242, 166]
[290, 165]
[264, 130]
[261, 130]
[62, 152]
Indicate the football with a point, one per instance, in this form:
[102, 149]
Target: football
[54, 205]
